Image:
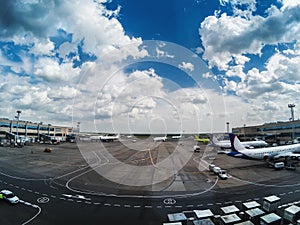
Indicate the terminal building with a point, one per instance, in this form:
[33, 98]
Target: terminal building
[32, 130]
[278, 132]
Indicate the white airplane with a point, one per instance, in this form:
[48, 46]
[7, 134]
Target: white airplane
[108, 138]
[176, 137]
[94, 138]
[248, 144]
[160, 138]
[239, 150]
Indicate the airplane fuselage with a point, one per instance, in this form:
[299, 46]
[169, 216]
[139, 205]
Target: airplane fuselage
[238, 150]
[271, 152]
[109, 138]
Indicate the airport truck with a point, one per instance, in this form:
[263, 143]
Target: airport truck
[279, 165]
[196, 148]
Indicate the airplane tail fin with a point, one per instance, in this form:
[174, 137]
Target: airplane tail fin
[236, 145]
[213, 140]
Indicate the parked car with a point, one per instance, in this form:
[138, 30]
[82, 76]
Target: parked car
[217, 170]
[223, 174]
[10, 196]
[55, 142]
[211, 167]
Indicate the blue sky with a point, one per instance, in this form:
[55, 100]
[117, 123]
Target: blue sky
[174, 21]
[150, 66]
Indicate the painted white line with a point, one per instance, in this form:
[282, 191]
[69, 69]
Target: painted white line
[127, 206]
[117, 205]
[265, 185]
[107, 204]
[21, 178]
[67, 185]
[34, 206]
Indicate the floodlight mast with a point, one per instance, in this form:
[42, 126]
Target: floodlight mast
[292, 119]
[227, 123]
[292, 106]
[18, 118]
[78, 130]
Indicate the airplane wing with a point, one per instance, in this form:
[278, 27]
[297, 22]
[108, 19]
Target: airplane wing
[288, 154]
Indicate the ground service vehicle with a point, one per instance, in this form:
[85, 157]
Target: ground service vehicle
[196, 148]
[211, 167]
[279, 165]
[216, 170]
[223, 174]
[9, 196]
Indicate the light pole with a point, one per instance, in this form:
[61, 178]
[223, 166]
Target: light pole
[18, 118]
[244, 132]
[49, 129]
[38, 131]
[227, 127]
[78, 130]
[292, 106]
[26, 124]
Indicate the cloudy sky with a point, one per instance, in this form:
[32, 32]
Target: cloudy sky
[150, 66]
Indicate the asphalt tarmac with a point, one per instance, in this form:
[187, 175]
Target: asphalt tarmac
[130, 182]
